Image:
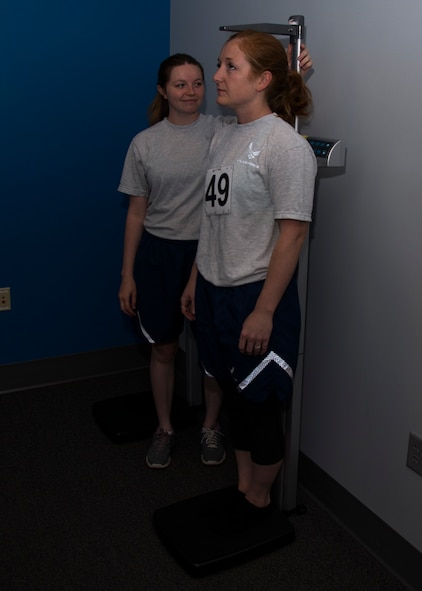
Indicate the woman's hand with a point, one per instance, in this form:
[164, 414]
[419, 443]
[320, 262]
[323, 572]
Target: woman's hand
[304, 58]
[127, 296]
[187, 301]
[256, 332]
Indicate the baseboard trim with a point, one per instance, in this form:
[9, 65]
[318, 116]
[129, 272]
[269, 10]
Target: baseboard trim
[70, 368]
[400, 557]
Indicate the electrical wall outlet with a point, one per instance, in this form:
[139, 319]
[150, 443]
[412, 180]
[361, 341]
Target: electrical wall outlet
[5, 303]
[414, 453]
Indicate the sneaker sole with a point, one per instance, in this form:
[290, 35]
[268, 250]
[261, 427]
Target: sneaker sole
[158, 466]
[213, 462]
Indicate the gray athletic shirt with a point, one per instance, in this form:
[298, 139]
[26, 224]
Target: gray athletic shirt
[167, 163]
[258, 173]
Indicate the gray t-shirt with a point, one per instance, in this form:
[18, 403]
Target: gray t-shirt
[258, 173]
[166, 163]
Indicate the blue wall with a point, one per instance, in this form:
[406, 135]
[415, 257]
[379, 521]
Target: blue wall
[78, 79]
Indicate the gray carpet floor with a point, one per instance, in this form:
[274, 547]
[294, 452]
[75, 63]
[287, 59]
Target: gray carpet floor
[76, 508]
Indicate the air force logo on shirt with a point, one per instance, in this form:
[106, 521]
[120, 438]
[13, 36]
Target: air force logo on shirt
[252, 153]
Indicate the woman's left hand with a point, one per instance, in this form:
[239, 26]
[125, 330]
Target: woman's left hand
[256, 332]
[187, 300]
[304, 58]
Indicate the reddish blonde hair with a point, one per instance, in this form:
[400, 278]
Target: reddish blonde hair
[287, 94]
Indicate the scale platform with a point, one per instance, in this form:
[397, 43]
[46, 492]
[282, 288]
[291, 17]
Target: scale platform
[183, 529]
[132, 417]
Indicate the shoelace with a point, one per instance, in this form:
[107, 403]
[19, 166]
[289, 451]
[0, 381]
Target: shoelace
[161, 439]
[211, 437]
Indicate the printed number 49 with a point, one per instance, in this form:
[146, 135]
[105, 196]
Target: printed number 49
[218, 191]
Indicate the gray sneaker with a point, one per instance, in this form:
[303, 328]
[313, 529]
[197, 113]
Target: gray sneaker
[159, 453]
[213, 452]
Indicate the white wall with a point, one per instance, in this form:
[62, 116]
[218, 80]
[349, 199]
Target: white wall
[363, 373]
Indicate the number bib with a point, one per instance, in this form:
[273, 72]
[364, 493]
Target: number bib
[218, 183]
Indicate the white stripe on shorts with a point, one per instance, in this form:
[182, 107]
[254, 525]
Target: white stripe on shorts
[144, 332]
[271, 356]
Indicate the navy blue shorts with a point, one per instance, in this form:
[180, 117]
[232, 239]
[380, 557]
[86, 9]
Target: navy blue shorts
[220, 313]
[162, 270]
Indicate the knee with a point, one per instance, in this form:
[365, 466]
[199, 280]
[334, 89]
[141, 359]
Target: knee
[165, 354]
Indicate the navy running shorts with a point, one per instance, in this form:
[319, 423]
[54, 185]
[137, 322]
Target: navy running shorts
[220, 313]
[162, 271]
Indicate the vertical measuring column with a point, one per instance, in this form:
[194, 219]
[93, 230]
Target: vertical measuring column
[288, 492]
[296, 41]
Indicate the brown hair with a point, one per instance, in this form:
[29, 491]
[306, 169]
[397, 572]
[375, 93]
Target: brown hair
[159, 107]
[287, 94]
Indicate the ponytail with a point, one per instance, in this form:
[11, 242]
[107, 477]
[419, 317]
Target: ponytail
[296, 101]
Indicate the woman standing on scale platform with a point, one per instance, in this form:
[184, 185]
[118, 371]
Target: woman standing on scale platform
[257, 207]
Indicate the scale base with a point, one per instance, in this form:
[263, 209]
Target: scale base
[132, 417]
[183, 528]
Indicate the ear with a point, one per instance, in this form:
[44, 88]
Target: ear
[161, 90]
[264, 80]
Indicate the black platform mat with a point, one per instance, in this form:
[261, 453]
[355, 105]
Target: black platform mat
[132, 417]
[183, 528]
